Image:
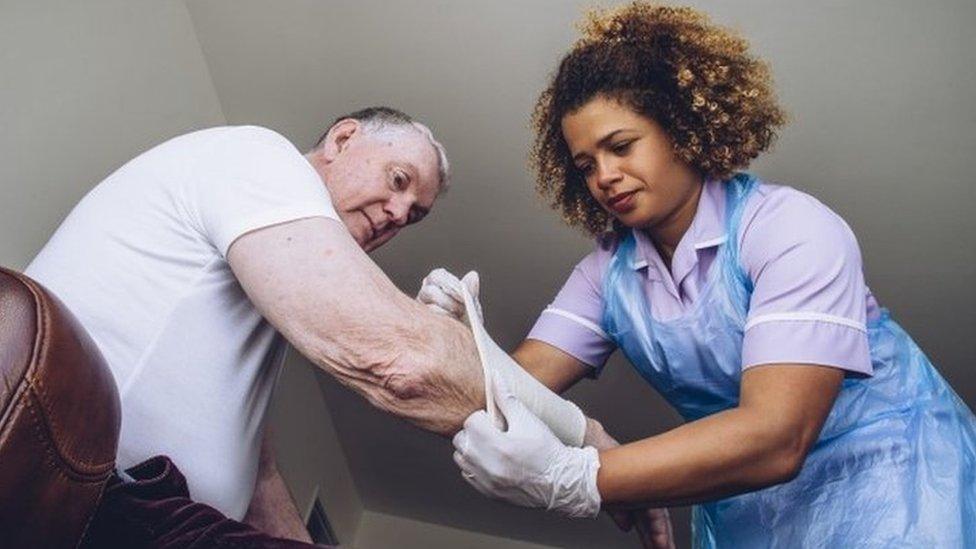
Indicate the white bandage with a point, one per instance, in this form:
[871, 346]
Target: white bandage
[564, 418]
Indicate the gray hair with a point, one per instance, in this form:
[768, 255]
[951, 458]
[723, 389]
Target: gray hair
[377, 119]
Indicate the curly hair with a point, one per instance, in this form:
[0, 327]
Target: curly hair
[697, 80]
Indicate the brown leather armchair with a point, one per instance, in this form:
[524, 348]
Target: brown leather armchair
[59, 419]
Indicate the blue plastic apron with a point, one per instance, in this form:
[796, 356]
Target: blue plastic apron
[895, 464]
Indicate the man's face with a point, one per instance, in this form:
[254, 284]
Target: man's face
[380, 182]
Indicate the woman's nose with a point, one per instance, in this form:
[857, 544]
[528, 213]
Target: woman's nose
[607, 173]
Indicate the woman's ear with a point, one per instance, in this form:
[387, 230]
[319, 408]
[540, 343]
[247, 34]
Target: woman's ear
[337, 139]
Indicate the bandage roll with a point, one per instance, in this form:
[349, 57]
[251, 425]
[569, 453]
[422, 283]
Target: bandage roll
[564, 418]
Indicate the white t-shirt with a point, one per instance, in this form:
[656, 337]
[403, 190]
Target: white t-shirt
[141, 261]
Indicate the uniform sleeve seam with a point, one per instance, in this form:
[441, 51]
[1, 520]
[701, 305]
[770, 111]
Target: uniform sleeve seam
[589, 325]
[805, 316]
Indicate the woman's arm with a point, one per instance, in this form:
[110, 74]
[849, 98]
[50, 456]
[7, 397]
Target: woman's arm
[554, 368]
[762, 442]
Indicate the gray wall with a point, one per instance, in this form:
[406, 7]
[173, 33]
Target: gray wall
[308, 451]
[85, 86]
[380, 531]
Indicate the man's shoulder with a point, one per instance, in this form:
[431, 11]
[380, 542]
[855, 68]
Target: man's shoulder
[254, 134]
[232, 135]
[258, 133]
[250, 143]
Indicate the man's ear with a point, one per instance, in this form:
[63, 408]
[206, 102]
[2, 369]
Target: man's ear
[337, 139]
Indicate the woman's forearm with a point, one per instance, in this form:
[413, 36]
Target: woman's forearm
[762, 442]
[553, 367]
[728, 453]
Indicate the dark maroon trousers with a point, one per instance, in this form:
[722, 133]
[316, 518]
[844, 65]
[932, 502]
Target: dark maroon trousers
[155, 511]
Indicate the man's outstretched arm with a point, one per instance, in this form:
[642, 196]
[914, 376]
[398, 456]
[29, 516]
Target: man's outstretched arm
[314, 284]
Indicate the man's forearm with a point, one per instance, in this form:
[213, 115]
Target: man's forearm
[272, 509]
[313, 283]
[409, 362]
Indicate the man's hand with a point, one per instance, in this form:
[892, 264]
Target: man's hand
[653, 525]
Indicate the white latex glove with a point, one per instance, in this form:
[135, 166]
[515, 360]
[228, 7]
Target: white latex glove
[526, 464]
[443, 292]
[440, 290]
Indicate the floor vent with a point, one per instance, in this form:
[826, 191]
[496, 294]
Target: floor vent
[319, 527]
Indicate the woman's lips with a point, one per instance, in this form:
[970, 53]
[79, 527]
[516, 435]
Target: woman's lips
[623, 202]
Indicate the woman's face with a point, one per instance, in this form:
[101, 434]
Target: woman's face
[629, 165]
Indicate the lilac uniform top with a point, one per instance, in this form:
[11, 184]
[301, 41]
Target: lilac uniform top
[810, 304]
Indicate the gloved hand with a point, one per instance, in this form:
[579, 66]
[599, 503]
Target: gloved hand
[440, 291]
[526, 464]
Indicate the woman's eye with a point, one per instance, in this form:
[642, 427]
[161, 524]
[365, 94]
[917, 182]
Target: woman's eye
[622, 148]
[585, 169]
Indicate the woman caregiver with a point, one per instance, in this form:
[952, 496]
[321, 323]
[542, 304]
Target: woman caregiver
[812, 418]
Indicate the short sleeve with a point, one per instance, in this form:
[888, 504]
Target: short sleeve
[572, 322]
[250, 178]
[808, 305]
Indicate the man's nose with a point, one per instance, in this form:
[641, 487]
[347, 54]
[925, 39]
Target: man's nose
[398, 210]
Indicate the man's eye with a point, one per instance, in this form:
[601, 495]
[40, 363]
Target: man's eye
[400, 181]
[396, 182]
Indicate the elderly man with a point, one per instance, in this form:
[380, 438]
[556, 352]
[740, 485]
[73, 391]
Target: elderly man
[188, 265]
